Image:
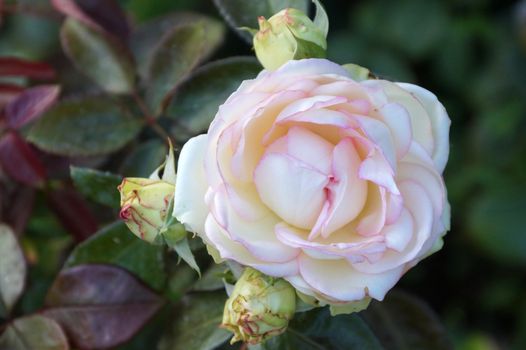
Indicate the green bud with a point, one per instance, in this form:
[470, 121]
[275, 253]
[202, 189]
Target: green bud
[259, 308]
[290, 34]
[145, 206]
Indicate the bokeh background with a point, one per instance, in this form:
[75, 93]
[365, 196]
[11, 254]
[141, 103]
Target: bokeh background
[472, 55]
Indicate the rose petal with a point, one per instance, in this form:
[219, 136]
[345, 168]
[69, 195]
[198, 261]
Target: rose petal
[347, 192]
[339, 280]
[439, 120]
[422, 128]
[419, 206]
[257, 236]
[397, 119]
[229, 249]
[291, 188]
[191, 185]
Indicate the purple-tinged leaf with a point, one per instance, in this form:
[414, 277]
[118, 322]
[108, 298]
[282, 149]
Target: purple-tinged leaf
[12, 270]
[30, 105]
[19, 161]
[100, 306]
[17, 205]
[104, 15]
[71, 9]
[108, 14]
[73, 213]
[89, 47]
[12, 66]
[177, 54]
[33, 332]
[8, 92]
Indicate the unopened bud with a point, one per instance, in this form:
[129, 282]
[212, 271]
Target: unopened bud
[259, 307]
[290, 34]
[145, 205]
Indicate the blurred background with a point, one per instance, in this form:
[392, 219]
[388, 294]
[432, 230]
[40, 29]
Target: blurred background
[472, 55]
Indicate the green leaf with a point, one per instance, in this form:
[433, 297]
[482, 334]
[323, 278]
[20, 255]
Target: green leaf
[357, 72]
[402, 321]
[98, 186]
[496, 224]
[242, 13]
[12, 270]
[212, 279]
[33, 332]
[84, 127]
[147, 36]
[197, 100]
[318, 330]
[101, 57]
[116, 245]
[178, 53]
[321, 20]
[199, 328]
[182, 248]
[141, 161]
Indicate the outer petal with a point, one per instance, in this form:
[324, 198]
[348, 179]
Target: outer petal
[310, 66]
[339, 280]
[191, 185]
[439, 120]
[229, 249]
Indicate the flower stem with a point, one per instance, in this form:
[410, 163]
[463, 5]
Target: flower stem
[150, 119]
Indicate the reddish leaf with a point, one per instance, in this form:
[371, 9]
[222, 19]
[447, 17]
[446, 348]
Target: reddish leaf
[18, 207]
[99, 14]
[19, 160]
[100, 306]
[71, 9]
[8, 92]
[108, 14]
[30, 105]
[12, 66]
[73, 213]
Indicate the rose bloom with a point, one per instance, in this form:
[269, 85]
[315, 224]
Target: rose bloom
[334, 185]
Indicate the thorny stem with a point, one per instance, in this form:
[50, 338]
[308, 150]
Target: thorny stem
[150, 119]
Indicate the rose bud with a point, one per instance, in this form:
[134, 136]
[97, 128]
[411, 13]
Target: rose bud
[144, 206]
[259, 308]
[289, 34]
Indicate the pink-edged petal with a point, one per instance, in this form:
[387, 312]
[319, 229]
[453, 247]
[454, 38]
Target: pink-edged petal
[339, 280]
[399, 234]
[395, 204]
[417, 154]
[346, 88]
[250, 148]
[347, 192]
[256, 236]
[429, 179]
[352, 247]
[373, 217]
[309, 103]
[321, 116]
[439, 120]
[380, 134]
[421, 126]
[310, 66]
[376, 169]
[396, 117]
[419, 207]
[231, 250]
[191, 185]
[310, 148]
[291, 188]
